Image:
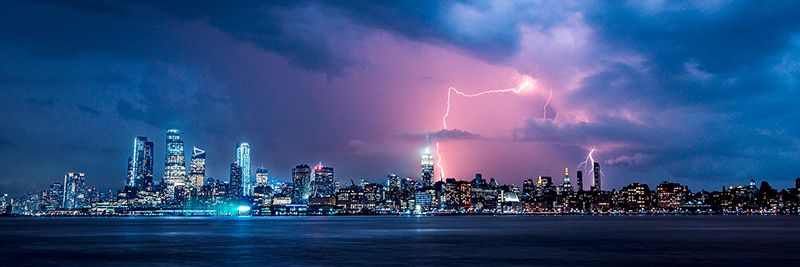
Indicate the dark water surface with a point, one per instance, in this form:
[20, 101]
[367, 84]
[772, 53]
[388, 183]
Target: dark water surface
[470, 240]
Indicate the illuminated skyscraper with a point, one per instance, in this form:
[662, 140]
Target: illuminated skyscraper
[566, 186]
[580, 181]
[235, 181]
[197, 168]
[323, 185]
[243, 160]
[427, 167]
[301, 179]
[174, 162]
[262, 177]
[596, 173]
[74, 190]
[140, 164]
[393, 182]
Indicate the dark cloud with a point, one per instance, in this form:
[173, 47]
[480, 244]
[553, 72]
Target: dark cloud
[444, 134]
[89, 110]
[42, 102]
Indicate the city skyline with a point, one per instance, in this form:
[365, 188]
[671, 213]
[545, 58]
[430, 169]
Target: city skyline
[697, 93]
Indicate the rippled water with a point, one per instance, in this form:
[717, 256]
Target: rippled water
[471, 240]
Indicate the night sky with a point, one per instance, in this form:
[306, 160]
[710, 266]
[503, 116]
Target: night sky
[704, 94]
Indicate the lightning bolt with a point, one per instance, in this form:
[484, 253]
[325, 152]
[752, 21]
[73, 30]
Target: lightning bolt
[528, 82]
[588, 163]
[544, 113]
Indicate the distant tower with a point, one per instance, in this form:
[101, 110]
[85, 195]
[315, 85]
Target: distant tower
[427, 167]
[197, 168]
[580, 181]
[243, 160]
[74, 190]
[566, 186]
[262, 177]
[140, 164]
[596, 173]
[235, 181]
[301, 179]
[324, 185]
[174, 162]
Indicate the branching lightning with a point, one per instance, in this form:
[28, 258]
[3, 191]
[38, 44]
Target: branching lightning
[527, 83]
[588, 164]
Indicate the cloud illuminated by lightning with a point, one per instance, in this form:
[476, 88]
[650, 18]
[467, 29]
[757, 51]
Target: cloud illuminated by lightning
[526, 83]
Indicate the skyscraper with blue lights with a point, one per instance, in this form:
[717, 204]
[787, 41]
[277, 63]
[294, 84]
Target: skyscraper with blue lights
[243, 160]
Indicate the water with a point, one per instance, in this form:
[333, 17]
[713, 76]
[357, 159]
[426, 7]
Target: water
[464, 240]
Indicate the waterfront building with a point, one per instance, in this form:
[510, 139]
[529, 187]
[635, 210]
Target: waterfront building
[243, 161]
[301, 187]
[140, 164]
[596, 172]
[427, 167]
[174, 163]
[566, 185]
[323, 183]
[262, 177]
[52, 197]
[670, 196]
[235, 181]
[634, 197]
[197, 168]
[74, 190]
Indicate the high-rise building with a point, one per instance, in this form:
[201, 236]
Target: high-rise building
[243, 160]
[140, 164]
[579, 175]
[566, 185]
[174, 162]
[197, 168]
[235, 187]
[427, 167]
[52, 197]
[323, 185]
[262, 177]
[301, 179]
[393, 182]
[670, 196]
[596, 172]
[74, 190]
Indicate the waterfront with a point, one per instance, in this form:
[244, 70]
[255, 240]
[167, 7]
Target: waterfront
[389, 240]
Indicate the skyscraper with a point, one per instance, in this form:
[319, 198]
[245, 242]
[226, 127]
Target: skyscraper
[323, 185]
[596, 173]
[235, 181]
[243, 160]
[262, 177]
[580, 181]
[301, 178]
[74, 190]
[197, 168]
[174, 162]
[393, 182]
[427, 167]
[140, 164]
[566, 186]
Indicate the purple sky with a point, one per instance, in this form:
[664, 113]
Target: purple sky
[702, 93]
